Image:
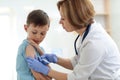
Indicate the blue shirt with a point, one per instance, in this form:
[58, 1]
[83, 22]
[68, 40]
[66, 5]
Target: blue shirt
[23, 71]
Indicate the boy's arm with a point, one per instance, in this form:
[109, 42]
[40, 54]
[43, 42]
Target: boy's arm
[30, 52]
[36, 46]
[39, 50]
[39, 76]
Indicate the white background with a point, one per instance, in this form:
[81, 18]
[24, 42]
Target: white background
[12, 19]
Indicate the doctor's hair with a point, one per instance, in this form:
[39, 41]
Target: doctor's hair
[38, 17]
[79, 13]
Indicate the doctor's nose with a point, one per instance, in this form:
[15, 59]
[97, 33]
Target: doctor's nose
[60, 22]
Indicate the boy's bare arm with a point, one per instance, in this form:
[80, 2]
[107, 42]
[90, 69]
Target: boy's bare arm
[39, 76]
[36, 46]
[30, 52]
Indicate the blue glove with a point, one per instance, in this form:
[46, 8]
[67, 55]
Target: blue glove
[43, 60]
[37, 66]
[50, 57]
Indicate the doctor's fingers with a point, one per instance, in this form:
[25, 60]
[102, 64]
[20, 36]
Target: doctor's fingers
[29, 60]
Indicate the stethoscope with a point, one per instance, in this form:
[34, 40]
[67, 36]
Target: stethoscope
[85, 34]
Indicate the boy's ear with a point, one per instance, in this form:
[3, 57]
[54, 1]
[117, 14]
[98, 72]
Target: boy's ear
[25, 27]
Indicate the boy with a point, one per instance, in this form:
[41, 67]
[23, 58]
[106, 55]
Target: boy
[37, 26]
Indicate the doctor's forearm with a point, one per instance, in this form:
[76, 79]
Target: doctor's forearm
[65, 63]
[57, 75]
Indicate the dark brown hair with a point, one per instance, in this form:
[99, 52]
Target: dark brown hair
[38, 17]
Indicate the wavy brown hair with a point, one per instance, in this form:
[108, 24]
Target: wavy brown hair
[79, 13]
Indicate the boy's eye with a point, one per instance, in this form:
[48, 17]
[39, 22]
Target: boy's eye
[34, 32]
[42, 33]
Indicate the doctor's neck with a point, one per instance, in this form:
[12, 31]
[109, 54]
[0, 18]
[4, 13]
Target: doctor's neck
[81, 31]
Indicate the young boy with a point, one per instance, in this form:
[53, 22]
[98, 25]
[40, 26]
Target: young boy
[36, 28]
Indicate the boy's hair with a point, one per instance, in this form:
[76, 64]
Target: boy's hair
[38, 17]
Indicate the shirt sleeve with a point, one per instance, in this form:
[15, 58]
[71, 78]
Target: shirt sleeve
[42, 49]
[74, 60]
[91, 54]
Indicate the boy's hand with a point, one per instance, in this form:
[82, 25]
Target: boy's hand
[33, 43]
[36, 46]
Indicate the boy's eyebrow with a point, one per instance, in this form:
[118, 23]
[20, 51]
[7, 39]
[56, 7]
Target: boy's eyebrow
[34, 30]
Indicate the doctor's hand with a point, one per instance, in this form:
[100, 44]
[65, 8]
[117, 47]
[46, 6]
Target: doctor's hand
[37, 66]
[43, 60]
[52, 58]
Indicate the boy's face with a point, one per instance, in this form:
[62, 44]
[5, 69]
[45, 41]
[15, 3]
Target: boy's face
[36, 33]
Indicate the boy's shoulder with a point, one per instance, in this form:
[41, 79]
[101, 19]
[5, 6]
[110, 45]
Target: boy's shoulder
[23, 45]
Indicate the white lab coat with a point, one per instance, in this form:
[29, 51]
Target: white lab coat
[98, 57]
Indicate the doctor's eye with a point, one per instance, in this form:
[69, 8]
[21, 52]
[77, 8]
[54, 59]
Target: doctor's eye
[62, 19]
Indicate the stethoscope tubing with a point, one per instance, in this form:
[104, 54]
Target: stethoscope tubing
[85, 34]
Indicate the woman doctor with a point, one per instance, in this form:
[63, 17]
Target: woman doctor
[97, 56]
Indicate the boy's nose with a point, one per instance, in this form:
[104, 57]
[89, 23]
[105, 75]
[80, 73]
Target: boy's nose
[38, 36]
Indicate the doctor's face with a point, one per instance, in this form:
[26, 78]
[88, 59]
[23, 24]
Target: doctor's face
[36, 33]
[65, 23]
